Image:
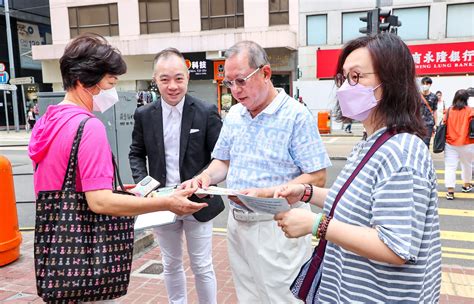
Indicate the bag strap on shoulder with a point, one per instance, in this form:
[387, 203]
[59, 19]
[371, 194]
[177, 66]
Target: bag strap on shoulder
[377, 144]
[427, 104]
[69, 182]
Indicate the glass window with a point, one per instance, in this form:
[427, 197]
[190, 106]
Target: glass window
[158, 16]
[278, 10]
[99, 19]
[351, 25]
[219, 14]
[460, 20]
[414, 22]
[316, 29]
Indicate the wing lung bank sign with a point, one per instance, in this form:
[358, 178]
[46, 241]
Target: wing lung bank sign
[29, 35]
[430, 59]
[198, 66]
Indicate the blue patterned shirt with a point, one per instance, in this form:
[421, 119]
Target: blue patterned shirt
[279, 144]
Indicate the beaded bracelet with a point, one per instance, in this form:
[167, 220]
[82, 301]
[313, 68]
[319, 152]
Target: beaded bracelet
[318, 232]
[308, 193]
[324, 227]
[319, 217]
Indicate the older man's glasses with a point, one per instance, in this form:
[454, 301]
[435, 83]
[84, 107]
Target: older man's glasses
[240, 82]
[352, 78]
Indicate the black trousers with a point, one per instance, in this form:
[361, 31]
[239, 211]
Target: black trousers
[427, 139]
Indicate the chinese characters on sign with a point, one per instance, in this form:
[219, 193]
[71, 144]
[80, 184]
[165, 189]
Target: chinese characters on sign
[446, 58]
[430, 59]
[198, 66]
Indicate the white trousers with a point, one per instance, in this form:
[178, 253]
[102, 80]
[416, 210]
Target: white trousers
[264, 262]
[199, 241]
[452, 156]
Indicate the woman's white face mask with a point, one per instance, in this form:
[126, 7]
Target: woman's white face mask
[104, 100]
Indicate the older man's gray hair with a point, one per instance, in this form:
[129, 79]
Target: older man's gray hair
[257, 55]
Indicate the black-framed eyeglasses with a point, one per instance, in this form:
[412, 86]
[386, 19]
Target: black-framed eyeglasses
[240, 82]
[352, 78]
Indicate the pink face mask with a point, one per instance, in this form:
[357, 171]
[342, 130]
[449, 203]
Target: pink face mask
[357, 101]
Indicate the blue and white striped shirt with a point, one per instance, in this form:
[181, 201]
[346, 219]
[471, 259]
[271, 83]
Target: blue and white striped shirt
[279, 144]
[395, 193]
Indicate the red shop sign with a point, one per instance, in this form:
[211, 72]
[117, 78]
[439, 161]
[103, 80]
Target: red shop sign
[430, 59]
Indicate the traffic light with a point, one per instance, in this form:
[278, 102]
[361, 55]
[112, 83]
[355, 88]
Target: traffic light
[372, 22]
[387, 21]
[380, 20]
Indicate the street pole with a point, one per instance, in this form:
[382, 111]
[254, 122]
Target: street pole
[12, 65]
[25, 110]
[5, 106]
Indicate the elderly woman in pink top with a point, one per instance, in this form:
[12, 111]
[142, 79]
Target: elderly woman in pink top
[90, 68]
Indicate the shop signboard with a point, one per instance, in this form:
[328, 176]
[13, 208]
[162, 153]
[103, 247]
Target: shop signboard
[199, 68]
[430, 59]
[23, 80]
[28, 35]
[219, 70]
[7, 87]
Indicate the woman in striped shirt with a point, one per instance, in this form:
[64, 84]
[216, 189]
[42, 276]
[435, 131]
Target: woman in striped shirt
[384, 238]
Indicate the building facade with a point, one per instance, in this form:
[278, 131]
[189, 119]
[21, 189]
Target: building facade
[29, 25]
[440, 35]
[200, 29]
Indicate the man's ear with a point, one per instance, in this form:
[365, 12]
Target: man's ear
[267, 72]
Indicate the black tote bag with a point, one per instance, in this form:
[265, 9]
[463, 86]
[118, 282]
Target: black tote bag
[439, 141]
[79, 255]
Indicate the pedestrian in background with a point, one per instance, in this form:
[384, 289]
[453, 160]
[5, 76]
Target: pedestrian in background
[459, 146]
[31, 118]
[174, 137]
[348, 128]
[383, 242]
[267, 139]
[440, 108]
[430, 105]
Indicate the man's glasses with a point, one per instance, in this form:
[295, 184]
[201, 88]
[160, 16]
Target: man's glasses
[240, 82]
[352, 78]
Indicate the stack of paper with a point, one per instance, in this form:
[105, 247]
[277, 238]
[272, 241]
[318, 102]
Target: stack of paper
[158, 218]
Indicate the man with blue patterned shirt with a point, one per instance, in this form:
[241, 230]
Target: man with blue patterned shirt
[267, 139]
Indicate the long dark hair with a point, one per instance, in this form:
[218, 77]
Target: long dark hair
[460, 99]
[400, 106]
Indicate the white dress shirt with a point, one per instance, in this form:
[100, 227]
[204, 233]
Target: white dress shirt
[172, 116]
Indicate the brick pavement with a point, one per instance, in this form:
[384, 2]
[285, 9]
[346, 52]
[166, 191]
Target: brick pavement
[17, 281]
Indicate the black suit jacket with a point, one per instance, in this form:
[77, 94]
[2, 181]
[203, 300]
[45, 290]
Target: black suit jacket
[195, 148]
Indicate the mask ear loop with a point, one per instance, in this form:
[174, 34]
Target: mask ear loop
[373, 90]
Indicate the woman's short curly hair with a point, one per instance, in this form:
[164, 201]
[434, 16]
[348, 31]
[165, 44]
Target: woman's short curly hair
[88, 58]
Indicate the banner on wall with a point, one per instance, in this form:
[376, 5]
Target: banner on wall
[430, 59]
[28, 35]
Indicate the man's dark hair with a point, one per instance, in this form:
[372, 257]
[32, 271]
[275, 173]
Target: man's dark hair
[400, 106]
[166, 53]
[88, 58]
[438, 92]
[460, 99]
[426, 80]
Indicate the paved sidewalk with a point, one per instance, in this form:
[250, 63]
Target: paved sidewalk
[17, 281]
[12, 138]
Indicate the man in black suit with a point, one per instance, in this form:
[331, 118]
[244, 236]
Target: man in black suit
[177, 135]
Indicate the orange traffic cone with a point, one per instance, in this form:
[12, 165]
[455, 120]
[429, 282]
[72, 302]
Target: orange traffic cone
[10, 236]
